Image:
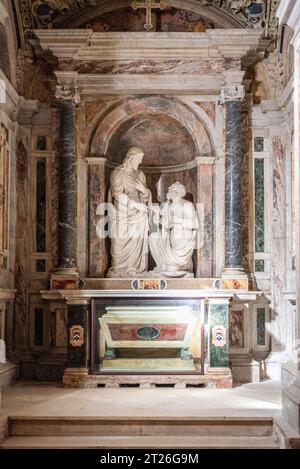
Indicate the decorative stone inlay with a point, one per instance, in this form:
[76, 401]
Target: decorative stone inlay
[67, 93]
[76, 336]
[236, 328]
[77, 344]
[148, 333]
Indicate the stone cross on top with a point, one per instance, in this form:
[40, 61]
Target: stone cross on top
[149, 5]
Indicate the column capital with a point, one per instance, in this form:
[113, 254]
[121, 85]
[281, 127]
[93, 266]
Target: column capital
[67, 94]
[232, 93]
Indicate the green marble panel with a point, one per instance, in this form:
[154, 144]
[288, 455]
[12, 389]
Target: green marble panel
[206, 332]
[219, 356]
[261, 326]
[259, 206]
[259, 266]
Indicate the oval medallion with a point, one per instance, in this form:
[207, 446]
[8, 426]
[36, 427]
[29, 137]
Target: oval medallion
[148, 333]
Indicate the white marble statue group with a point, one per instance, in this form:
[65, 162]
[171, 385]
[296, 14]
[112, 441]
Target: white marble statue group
[168, 231]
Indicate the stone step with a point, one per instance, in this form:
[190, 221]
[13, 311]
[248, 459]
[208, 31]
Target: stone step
[134, 442]
[141, 426]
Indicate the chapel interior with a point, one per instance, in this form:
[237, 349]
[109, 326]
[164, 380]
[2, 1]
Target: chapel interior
[150, 222]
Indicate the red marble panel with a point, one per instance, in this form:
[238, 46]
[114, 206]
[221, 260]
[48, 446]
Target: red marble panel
[168, 332]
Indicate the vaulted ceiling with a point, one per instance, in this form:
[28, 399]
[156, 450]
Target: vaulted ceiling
[197, 15]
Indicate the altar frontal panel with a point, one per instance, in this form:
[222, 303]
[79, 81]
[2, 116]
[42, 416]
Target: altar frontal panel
[140, 336]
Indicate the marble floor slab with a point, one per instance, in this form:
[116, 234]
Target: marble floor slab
[46, 399]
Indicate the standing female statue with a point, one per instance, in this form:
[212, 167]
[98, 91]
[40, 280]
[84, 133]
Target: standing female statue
[129, 218]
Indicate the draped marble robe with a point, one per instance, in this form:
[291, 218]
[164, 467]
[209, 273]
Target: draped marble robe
[129, 223]
[172, 246]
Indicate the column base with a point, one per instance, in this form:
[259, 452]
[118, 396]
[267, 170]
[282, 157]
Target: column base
[245, 369]
[65, 279]
[75, 377]
[221, 377]
[234, 272]
[236, 278]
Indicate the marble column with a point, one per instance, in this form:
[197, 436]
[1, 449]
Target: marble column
[68, 98]
[232, 96]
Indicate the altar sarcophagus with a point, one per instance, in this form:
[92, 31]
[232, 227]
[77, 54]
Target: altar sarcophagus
[150, 338]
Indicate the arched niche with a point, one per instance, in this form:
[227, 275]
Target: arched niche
[138, 108]
[175, 141]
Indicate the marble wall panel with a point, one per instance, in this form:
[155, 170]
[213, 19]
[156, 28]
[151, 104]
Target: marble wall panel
[205, 196]
[160, 67]
[278, 225]
[278, 265]
[61, 332]
[219, 324]
[22, 247]
[98, 247]
[245, 187]
[259, 209]
[209, 108]
[261, 326]
[236, 328]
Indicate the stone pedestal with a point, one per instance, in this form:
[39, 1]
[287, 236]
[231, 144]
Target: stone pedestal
[78, 352]
[245, 369]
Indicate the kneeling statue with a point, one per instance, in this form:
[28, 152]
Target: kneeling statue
[173, 244]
